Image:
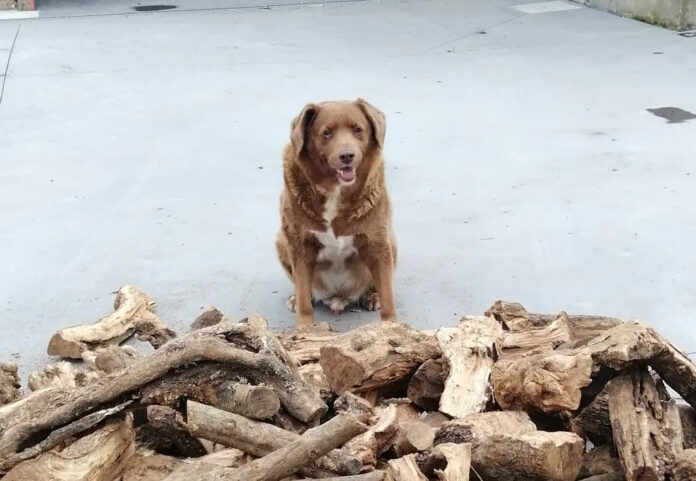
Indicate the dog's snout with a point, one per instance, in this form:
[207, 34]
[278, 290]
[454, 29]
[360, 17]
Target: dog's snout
[347, 156]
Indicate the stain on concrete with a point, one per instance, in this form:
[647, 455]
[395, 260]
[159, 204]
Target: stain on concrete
[674, 115]
[153, 8]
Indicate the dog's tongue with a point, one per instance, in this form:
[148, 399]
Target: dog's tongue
[347, 174]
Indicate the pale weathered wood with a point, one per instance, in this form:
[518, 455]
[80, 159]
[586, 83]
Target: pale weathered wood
[313, 375]
[372, 476]
[475, 428]
[353, 404]
[550, 382]
[688, 421]
[518, 343]
[375, 355]
[381, 436]
[404, 469]
[538, 455]
[100, 456]
[600, 460]
[645, 424]
[9, 383]
[149, 466]
[419, 436]
[111, 358]
[60, 375]
[263, 364]
[468, 352]
[133, 314]
[305, 344]
[170, 423]
[458, 459]
[427, 384]
[435, 419]
[684, 468]
[256, 402]
[282, 462]
[255, 437]
[211, 316]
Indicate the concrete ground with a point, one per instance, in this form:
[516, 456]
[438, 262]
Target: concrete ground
[523, 165]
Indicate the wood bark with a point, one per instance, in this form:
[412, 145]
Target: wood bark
[134, 313]
[211, 316]
[600, 460]
[314, 376]
[427, 384]
[550, 382]
[688, 421]
[256, 438]
[149, 466]
[404, 469]
[684, 468]
[518, 343]
[255, 402]
[538, 456]
[478, 427]
[468, 352]
[285, 461]
[417, 437]
[264, 364]
[353, 404]
[305, 344]
[170, 423]
[645, 423]
[60, 375]
[100, 456]
[375, 355]
[458, 459]
[9, 383]
[111, 358]
[372, 476]
[593, 421]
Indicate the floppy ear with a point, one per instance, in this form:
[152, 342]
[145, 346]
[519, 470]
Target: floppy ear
[376, 118]
[299, 126]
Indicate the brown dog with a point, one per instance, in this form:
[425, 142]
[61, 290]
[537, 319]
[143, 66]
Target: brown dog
[336, 241]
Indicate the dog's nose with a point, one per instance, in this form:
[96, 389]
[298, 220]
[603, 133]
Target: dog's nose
[346, 157]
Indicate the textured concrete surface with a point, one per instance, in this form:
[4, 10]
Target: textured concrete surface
[522, 163]
[675, 14]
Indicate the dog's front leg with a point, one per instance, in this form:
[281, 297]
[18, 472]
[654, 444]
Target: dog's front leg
[379, 260]
[302, 276]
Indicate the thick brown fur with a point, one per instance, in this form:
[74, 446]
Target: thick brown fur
[333, 229]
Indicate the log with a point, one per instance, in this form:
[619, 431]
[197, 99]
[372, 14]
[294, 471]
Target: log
[285, 421]
[134, 313]
[380, 437]
[688, 421]
[468, 352]
[435, 419]
[375, 355]
[305, 344]
[149, 466]
[211, 316]
[255, 402]
[263, 365]
[427, 384]
[518, 343]
[478, 427]
[645, 424]
[285, 461]
[60, 375]
[549, 382]
[684, 468]
[419, 436]
[593, 421]
[313, 375]
[404, 469]
[256, 438]
[373, 476]
[538, 455]
[100, 456]
[353, 404]
[606, 477]
[111, 358]
[9, 383]
[458, 459]
[170, 423]
[600, 460]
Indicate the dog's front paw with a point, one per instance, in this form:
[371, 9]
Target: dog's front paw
[370, 301]
[291, 303]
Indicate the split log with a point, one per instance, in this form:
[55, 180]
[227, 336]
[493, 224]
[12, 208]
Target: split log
[264, 365]
[149, 466]
[593, 421]
[256, 438]
[458, 459]
[417, 437]
[645, 424]
[550, 382]
[375, 355]
[600, 460]
[229, 458]
[60, 375]
[478, 427]
[353, 404]
[313, 375]
[685, 466]
[404, 469]
[435, 419]
[379, 438]
[688, 421]
[468, 351]
[305, 344]
[285, 461]
[255, 402]
[211, 316]
[373, 476]
[427, 384]
[170, 423]
[518, 343]
[133, 314]
[538, 455]
[111, 358]
[9, 383]
[100, 456]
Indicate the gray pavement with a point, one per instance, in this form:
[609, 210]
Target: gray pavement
[145, 148]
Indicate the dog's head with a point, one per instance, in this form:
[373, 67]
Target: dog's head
[336, 138]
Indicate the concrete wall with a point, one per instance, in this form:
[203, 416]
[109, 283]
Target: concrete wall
[674, 14]
[16, 4]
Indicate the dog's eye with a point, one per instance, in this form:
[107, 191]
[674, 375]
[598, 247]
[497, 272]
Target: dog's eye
[327, 134]
[357, 130]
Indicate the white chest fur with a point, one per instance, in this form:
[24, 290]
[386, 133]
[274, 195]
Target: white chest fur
[336, 249]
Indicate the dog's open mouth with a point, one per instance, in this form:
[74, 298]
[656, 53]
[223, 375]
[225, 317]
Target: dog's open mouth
[346, 174]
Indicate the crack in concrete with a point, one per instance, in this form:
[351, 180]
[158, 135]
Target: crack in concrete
[7, 66]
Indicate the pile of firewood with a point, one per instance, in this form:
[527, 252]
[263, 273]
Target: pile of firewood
[508, 396]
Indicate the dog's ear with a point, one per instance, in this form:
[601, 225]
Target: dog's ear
[376, 118]
[300, 125]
